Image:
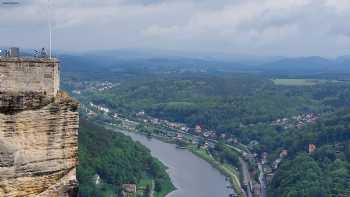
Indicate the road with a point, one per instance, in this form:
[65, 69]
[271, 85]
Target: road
[262, 181]
[246, 176]
[151, 194]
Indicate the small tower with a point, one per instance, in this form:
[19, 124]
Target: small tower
[25, 77]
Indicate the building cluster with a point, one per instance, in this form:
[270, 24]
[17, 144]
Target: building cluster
[78, 92]
[269, 170]
[210, 134]
[99, 107]
[298, 121]
[312, 148]
[129, 190]
[197, 130]
[87, 110]
[180, 131]
[104, 86]
[90, 86]
[282, 155]
[156, 121]
[303, 119]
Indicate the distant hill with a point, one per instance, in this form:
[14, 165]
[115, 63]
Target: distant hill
[89, 62]
[344, 59]
[303, 64]
[308, 65]
[122, 60]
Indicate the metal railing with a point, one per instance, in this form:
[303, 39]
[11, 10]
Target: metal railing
[14, 52]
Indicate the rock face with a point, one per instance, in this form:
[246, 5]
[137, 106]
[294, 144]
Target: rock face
[38, 145]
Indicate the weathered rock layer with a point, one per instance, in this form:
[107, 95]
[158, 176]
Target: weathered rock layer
[38, 147]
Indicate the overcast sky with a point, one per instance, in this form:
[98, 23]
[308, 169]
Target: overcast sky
[257, 27]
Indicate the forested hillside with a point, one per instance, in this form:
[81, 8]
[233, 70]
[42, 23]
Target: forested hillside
[116, 160]
[324, 172]
[216, 102]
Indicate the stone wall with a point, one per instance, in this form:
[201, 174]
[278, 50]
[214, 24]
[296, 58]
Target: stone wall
[14, 102]
[29, 75]
[38, 150]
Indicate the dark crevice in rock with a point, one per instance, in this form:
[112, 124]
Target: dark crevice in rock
[12, 103]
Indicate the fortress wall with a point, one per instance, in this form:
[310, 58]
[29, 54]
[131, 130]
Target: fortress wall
[22, 75]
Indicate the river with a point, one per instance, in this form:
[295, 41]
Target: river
[192, 176]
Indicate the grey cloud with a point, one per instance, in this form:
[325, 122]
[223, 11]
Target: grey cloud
[268, 27]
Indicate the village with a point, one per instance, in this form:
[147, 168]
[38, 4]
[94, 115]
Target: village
[298, 121]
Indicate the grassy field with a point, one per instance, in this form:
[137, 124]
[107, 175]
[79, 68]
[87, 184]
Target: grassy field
[299, 82]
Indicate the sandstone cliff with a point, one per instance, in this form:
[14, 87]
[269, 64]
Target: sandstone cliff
[38, 145]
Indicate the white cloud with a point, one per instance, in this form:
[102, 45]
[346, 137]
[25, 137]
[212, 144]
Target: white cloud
[268, 27]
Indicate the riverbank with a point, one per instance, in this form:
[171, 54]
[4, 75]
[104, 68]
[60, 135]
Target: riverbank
[224, 169]
[162, 189]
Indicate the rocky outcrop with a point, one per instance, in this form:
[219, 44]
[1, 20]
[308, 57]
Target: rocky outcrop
[38, 146]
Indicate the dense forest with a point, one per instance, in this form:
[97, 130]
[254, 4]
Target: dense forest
[216, 102]
[323, 173]
[116, 160]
